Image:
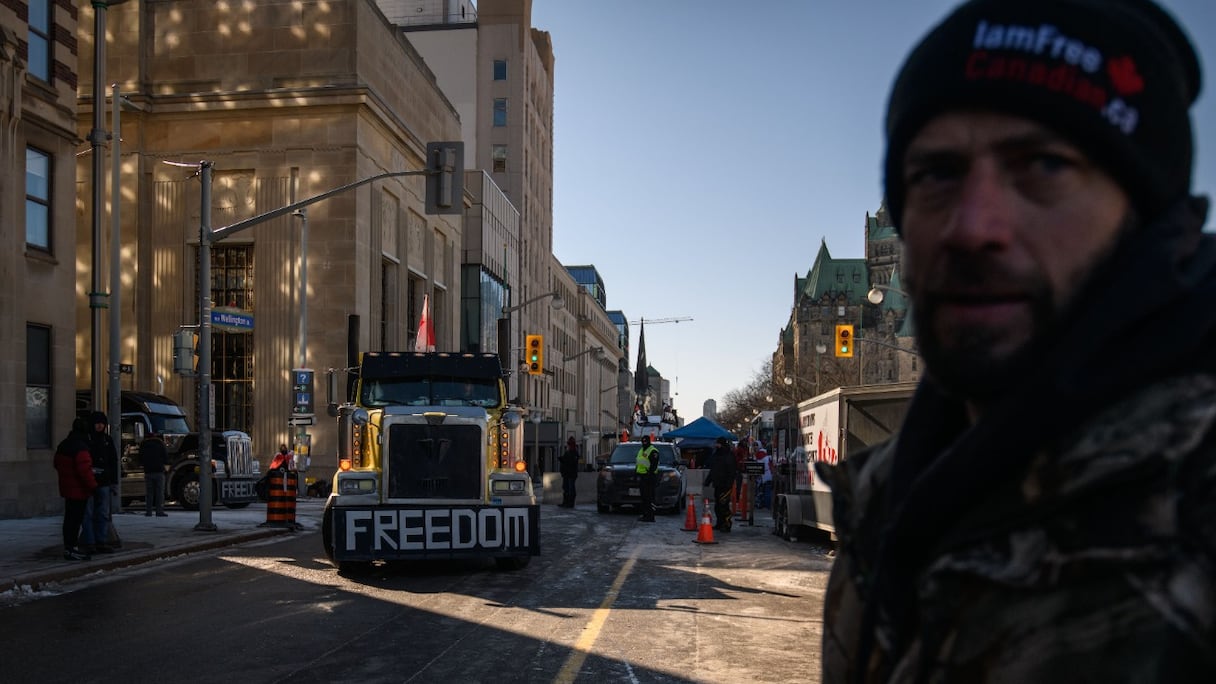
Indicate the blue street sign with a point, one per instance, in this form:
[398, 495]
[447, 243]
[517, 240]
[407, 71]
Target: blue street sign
[231, 319]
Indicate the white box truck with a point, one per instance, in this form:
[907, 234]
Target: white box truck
[827, 428]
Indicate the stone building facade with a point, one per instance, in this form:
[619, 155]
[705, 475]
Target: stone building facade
[835, 291]
[498, 71]
[288, 101]
[38, 264]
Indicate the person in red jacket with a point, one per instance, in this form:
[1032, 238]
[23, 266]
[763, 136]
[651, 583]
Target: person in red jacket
[285, 459]
[76, 485]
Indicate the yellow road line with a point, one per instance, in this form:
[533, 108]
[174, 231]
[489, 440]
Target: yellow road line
[582, 647]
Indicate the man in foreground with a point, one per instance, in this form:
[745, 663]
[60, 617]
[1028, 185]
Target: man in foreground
[1048, 511]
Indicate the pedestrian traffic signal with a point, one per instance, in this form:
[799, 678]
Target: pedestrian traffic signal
[534, 347]
[185, 352]
[844, 340]
[445, 177]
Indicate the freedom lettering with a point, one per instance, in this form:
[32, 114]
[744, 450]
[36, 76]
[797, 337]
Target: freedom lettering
[394, 530]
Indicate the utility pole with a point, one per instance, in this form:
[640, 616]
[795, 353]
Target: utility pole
[97, 137]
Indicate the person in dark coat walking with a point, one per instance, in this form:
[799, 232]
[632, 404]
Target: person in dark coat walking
[568, 463]
[154, 458]
[95, 534]
[721, 476]
[76, 485]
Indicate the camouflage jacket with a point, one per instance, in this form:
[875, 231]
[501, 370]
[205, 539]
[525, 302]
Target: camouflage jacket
[1097, 564]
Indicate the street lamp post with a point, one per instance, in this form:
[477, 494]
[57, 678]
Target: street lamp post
[580, 405]
[820, 349]
[537, 469]
[302, 440]
[875, 295]
[557, 302]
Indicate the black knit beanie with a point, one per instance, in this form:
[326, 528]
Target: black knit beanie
[1115, 77]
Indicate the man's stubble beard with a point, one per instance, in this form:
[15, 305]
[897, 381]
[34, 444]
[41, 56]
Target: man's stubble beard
[969, 369]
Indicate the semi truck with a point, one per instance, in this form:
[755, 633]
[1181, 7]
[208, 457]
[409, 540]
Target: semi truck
[430, 464]
[233, 466]
[827, 428]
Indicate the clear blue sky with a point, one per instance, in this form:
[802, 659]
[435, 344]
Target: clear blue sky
[704, 148]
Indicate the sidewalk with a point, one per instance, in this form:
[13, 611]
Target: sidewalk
[31, 553]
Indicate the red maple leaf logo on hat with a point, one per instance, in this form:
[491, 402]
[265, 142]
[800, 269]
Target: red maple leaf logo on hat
[1123, 76]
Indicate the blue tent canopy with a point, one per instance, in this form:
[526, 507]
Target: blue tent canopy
[701, 430]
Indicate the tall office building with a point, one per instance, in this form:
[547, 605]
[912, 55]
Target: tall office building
[497, 71]
[38, 276]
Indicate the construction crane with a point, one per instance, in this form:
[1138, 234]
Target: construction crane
[652, 321]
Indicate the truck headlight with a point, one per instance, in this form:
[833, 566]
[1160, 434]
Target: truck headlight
[507, 486]
[356, 485]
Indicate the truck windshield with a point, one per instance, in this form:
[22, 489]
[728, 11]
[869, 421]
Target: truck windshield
[430, 392]
[167, 424]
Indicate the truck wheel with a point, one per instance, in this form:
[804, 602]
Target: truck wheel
[781, 527]
[510, 563]
[186, 490]
[327, 532]
[327, 543]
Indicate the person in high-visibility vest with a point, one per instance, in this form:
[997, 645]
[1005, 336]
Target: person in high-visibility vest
[647, 469]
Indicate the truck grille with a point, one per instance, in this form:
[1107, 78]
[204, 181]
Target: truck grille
[434, 461]
[238, 457]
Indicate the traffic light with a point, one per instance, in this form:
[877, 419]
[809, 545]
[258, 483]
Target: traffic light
[185, 352]
[844, 340]
[302, 392]
[534, 347]
[445, 177]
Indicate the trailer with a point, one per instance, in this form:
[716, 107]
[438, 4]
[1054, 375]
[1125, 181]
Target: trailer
[827, 428]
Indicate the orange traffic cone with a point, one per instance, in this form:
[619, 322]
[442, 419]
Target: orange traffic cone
[705, 535]
[690, 520]
[741, 508]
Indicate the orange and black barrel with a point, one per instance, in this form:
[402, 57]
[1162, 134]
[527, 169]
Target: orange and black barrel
[281, 498]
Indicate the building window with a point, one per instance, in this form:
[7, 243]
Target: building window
[37, 199]
[37, 387]
[388, 305]
[415, 288]
[232, 349]
[500, 70]
[499, 155]
[500, 111]
[40, 40]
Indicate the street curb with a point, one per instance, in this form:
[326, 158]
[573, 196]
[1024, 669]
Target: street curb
[38, 580]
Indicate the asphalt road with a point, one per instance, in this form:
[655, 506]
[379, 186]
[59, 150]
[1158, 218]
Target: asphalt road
[610, 599]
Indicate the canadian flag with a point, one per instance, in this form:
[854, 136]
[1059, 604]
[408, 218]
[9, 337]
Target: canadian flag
[425, 342]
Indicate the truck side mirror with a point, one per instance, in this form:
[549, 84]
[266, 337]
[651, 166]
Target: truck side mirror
[332, 391]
